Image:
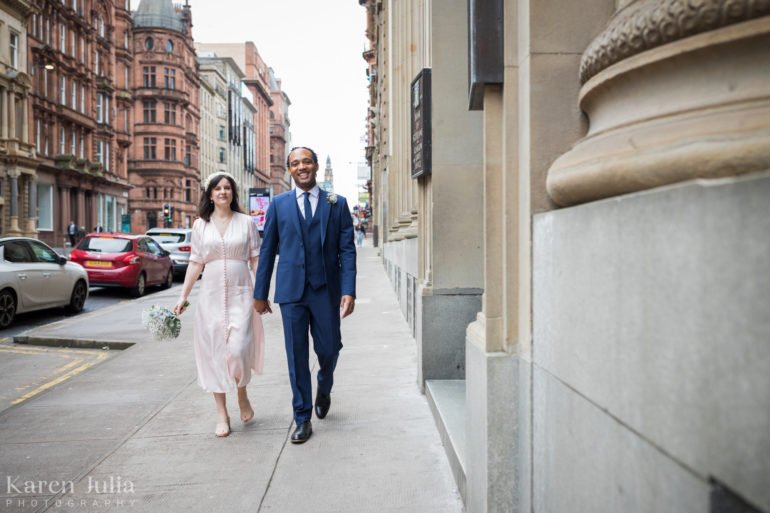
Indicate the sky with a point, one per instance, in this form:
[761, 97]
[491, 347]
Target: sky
[315, 48]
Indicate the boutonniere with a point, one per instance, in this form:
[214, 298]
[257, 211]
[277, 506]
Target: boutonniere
[331, 198]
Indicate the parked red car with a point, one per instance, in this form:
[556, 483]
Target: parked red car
[121, 260]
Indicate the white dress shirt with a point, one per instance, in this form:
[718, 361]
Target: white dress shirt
[314, 192]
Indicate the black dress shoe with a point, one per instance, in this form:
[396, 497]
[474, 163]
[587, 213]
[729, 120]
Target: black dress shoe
[302, 433]
[322, 404]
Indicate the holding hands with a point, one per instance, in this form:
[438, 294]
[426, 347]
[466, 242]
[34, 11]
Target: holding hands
[262, 306]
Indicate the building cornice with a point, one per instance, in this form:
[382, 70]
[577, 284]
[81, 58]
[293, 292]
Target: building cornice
[647, 24]
[261, 88]
[22, 7]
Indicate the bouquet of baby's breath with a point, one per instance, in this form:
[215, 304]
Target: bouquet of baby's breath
[162, 323]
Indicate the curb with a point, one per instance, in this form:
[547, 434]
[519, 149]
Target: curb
[72, 343]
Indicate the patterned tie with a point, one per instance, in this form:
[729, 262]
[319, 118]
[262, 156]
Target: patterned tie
[308, 209]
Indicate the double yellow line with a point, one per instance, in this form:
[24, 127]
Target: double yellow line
[73, 367]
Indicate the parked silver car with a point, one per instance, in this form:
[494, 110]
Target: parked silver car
[33, 277]
[178, 242]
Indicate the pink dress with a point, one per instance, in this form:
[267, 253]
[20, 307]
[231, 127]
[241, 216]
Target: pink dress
[228, 335]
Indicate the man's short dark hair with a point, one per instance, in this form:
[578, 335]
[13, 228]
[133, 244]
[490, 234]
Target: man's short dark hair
[312, 153]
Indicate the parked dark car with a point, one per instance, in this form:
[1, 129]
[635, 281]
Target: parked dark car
[133, 262]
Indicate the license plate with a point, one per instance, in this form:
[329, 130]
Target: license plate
[98, 263]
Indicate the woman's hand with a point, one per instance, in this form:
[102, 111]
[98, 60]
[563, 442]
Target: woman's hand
[181, 306]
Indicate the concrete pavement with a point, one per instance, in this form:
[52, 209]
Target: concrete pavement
[135, 432]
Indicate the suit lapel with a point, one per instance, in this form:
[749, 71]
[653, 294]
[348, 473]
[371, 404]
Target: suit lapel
[291, 212]
[324, 209]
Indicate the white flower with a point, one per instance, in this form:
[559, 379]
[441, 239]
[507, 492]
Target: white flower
[331, 198]
[162, 323]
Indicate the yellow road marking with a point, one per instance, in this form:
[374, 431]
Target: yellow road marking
[23, 349]
[61, 378]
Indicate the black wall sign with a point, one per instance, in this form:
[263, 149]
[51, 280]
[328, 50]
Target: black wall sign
[421, 124]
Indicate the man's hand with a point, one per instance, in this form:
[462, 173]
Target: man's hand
[347, 305]
[262, 306]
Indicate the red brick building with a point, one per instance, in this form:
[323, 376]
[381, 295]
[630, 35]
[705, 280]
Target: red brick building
[257, 77]
[163, 161]
[80, 63]
[280, 136]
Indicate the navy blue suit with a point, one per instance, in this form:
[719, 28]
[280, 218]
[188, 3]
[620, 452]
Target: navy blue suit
[317, 266]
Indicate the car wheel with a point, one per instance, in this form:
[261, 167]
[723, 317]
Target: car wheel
[169, 279]
[141, 284]
[78, 298]
[7, 308]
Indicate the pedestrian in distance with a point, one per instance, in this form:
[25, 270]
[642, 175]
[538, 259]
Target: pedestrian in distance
[360, 233]
[72, 233]
[228, 336]
[98, 228]
[315, 282]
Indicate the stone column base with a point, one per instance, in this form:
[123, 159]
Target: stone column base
[497, 429]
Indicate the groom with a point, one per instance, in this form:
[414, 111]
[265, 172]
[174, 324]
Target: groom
[312, 231]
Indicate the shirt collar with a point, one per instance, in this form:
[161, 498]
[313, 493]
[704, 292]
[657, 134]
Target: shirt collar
[315, 191]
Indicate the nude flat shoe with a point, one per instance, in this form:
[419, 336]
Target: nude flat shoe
[248, 418]
[223, 428]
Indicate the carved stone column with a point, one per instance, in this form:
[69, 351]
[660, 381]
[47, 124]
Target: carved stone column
[674, 90]
[32, 207]
[14, 204]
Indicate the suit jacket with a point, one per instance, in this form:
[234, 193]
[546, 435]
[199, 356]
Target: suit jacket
[283, 235]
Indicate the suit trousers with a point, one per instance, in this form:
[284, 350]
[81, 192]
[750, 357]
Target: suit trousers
[315, 312]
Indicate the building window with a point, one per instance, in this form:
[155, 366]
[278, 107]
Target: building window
[149, 111]
[149, 43]
[125, 77]
[82, 50]
[99, 151]
[170, 149]
[99, 107]
[73, 143]
[82, 146]
[14, 47]
[101, 26]
[125, 39]
[62, 140]
[169, 78]
[150, 152]
[44, 207]
[74, 95]
[63, 90]
[188, 190]
[169, 46]
[221, 155]
[83, 99]
[147, 193]
[170, 113]
[37, 136]
[73, 42]
[97, 63]
[221, 132]
[62, 38]
[149, 76]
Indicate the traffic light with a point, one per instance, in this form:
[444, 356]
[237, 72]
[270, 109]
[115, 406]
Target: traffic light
[166, 211]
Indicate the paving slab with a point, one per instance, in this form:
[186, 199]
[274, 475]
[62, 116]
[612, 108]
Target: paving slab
[139, 420]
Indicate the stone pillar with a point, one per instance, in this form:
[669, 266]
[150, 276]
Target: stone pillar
[712, 121]
[450, 275]
[14, 217]
[11, 105]
[4, 109]
[32, 206]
